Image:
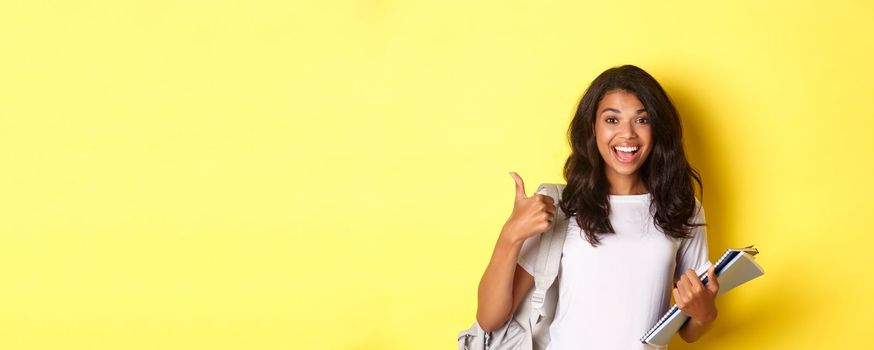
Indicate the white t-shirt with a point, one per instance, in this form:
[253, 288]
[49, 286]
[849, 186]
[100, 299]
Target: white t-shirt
[610, 295]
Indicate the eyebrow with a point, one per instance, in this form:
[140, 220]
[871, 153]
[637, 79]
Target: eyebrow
[617, 111]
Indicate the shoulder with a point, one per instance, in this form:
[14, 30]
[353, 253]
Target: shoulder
[698, 215]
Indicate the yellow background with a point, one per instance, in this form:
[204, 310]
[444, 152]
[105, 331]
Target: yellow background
[333, 175]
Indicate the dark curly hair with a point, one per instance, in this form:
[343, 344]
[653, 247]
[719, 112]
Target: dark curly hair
[666, 172]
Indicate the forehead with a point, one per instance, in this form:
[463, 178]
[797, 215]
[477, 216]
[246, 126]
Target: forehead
[620, 99]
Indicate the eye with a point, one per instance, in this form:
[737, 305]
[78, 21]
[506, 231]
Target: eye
[643, 120]
[608, 120]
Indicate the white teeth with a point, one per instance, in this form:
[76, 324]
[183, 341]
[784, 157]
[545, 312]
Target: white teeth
[626, 149]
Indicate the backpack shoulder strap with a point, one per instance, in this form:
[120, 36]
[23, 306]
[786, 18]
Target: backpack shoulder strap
[549, 254]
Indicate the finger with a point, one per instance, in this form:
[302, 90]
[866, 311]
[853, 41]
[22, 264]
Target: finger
[687, 286]
[712, 281]
[677, 297]
[550, 209]
[520, 186]
[551, 203]
[548, 199]
[683, 284]
[694, 281]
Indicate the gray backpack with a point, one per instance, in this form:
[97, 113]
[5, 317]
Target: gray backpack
[528, 329]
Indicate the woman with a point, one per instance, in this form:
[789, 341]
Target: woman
[635, 225]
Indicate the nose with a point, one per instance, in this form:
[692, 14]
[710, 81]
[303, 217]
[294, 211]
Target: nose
[627, 130]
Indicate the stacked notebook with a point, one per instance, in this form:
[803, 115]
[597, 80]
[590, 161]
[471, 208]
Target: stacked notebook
[735, 267]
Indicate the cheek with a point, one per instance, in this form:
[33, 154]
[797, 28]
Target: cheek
[602, 138]
[602, 135]
[646, 133]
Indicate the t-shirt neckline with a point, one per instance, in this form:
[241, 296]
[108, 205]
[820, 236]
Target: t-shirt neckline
[629, 197]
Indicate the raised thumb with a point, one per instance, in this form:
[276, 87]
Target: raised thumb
[520, 186]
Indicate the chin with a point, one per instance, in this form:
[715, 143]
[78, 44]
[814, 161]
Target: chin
[626, 171]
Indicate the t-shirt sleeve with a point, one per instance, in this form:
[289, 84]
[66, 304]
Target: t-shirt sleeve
[693, 250]
[528, 253]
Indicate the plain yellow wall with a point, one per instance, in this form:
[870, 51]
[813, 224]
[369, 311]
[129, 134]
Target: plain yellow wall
[334, 174]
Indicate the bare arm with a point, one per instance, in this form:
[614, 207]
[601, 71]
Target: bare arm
[695, 328]
[502, 286]
[505, 283]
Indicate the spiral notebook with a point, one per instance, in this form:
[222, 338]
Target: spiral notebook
[735, 267]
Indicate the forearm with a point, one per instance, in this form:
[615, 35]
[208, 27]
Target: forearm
[495, 294]
[697, 327]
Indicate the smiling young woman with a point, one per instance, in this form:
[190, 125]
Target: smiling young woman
[636, 228]
[624, 139]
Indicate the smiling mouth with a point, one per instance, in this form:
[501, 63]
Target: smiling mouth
[625, 154]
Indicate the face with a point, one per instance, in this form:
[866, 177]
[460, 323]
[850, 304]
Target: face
[623, 133]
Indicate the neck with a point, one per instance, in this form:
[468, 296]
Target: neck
[626, 184]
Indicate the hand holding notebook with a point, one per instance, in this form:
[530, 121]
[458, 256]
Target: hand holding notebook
[694, 297]
[735, 267]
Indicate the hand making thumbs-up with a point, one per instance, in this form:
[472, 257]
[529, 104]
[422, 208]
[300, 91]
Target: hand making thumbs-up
[531, 215]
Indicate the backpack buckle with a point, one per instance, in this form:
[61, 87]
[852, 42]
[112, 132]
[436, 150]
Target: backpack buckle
[538, 298]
